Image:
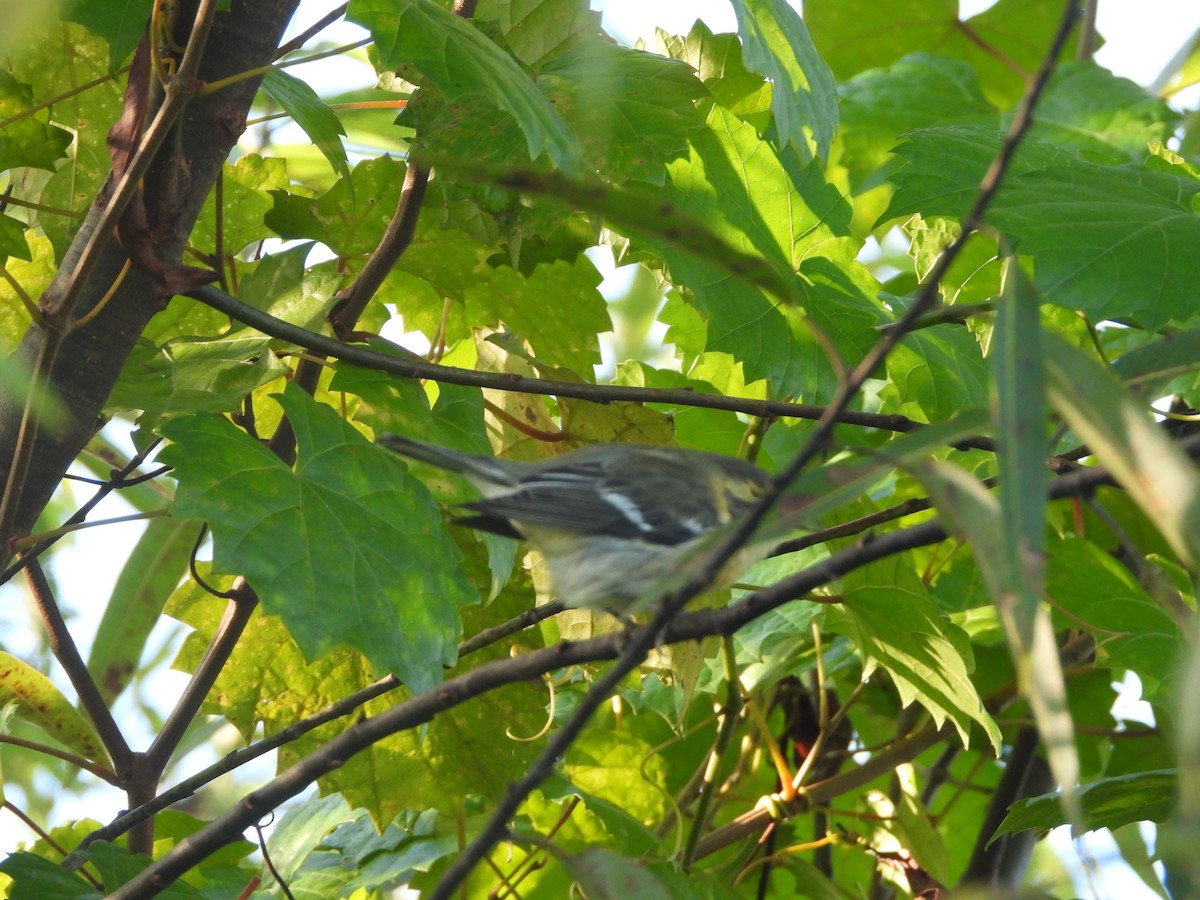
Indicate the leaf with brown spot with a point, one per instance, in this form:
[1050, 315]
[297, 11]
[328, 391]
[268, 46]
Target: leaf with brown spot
[39, 702]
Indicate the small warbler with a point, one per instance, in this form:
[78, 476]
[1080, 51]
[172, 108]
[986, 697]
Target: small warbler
[613, 521]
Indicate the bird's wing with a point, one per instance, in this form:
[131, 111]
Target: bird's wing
[587, 498]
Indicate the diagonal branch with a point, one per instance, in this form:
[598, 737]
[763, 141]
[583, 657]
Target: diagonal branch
[104, 773]
[237, 613]
[238, 758]
[65, 651]
[120, 478]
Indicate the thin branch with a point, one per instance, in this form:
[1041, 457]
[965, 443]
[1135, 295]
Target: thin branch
[228, 763]
[40, 207]
[67, 654]
[756, 820]
[946, 315]
[237, 613]
[35, 314]
[729, 719]
[119, 479]
[246, 74]
[852, 527]
[33, 826]
[409, 366]
[54, 534]
[396, 239]
[344, 707]
[47, 837]
[356, 105]
[990, 49]
[102, 772]
[1086, 47]
[128, 482]
[307, 34]
[58, 98]
[518, 623]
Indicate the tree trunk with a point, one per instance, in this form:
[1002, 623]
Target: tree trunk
[183, 173]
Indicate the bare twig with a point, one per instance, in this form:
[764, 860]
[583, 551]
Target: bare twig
[512, 626]
[343, 707]
[409, 366]
[119, 479]
[1086, 48]
[237, 613]
[67, 654]
[990, 49]
[396, 239]
[102, 772]
[320, 25]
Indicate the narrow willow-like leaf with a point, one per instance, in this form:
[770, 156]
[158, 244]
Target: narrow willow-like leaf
[1177, 840]
[151, 573]
[1136, 855]
[1021, 416]
[1119, 430]
[819, 491]
[976, 514]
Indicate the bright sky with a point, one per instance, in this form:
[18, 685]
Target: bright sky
[1141, 36]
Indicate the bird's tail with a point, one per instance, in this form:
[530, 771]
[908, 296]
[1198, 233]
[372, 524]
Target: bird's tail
[484, 470]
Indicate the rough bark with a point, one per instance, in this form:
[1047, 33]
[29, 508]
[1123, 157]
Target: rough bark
[181, 177]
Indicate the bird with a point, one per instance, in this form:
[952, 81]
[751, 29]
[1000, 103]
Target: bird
[613, 521]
